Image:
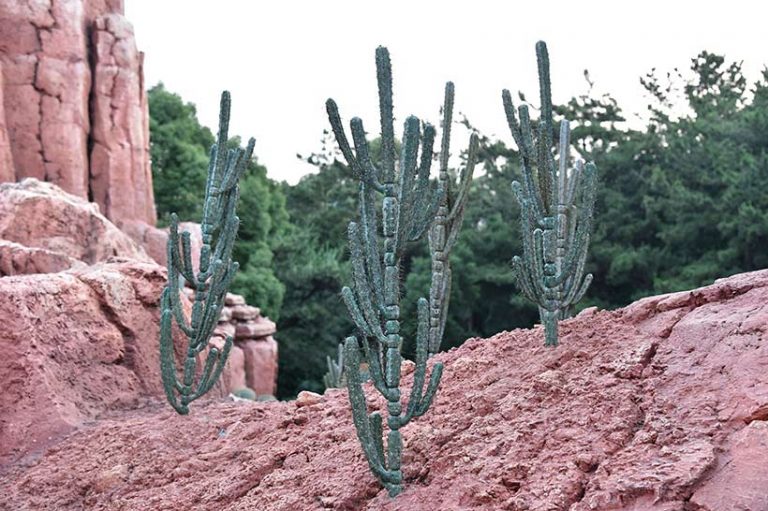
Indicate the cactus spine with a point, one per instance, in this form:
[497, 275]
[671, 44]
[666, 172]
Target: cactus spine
[408, 207]
[447, 224]
[556, 207]
[216, 271]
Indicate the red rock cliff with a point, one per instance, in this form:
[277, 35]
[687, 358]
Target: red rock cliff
[73, 110]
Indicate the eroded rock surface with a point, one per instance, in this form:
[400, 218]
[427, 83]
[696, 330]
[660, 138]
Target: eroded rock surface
[79, 321]
[40, 215]
[658, 406]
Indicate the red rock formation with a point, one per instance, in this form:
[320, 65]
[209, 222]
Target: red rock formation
[660, 406]
[6, 158]
[121, 178]
[52, 74]
[41, 216]
[79, 320]
[75, 344]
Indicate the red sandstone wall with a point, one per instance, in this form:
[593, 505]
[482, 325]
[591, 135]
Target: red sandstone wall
[73, 110]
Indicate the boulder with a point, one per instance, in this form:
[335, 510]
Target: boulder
[40, 215]
[233, 299]
[75, 345]
[245, 312]
[155, 240]
[16, 259]
[255, 329]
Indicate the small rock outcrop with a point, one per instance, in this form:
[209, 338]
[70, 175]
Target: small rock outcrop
[73, 109]
[55, 230]
[79, 322]
[253, 338]
[660, 406]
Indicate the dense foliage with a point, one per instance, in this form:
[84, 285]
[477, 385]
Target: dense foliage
[681, 202]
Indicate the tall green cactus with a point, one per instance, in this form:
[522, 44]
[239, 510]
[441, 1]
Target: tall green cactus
[556, 206]
[216, 271]
[409, 204]
[447, 224]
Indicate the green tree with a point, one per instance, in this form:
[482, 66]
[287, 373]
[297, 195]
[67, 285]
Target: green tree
[179, 150]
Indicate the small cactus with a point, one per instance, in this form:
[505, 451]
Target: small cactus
[216, 271]
[334, 378]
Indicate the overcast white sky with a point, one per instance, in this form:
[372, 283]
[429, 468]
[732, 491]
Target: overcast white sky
[282, 59]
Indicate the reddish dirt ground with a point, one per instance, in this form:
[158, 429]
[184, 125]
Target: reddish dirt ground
[662, 405]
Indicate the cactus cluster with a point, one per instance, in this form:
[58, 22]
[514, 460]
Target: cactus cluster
[556, 203]
[410, 203]
[210, 283]
[556, 207]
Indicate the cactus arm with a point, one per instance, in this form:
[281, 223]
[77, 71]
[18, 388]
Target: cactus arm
[545, 91]
[362, 288]
[167, 357]
[514, 125]
[447, 280]
[455, 216]
[544, 174]
[386, 115]
[341, 137]
[419, 401]
[367, 171]
[562, 175]
[364, 425]
[523, 279]
[426, 201]
[445, 142]
[184, 264]
[354, 310]
[373, 356]
[574, 181]
[186, 247]
[582, 290]
[370, 225]
[214, 365]
[408, 169]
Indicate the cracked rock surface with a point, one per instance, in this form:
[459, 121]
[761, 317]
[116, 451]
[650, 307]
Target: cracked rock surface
[73, 110]
[79, 321]
[661, 405]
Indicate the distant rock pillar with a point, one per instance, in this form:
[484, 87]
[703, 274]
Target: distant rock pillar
[121, 179]
[74, 109]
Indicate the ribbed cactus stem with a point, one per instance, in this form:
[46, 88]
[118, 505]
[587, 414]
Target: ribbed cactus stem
[447, 224]
[408, 207]
[210, 283]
